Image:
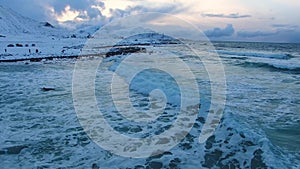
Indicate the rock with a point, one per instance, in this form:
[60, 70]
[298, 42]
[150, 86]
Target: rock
[124, 51]
[45, 89]
[47, 24]
[19, 45]
[35, 59]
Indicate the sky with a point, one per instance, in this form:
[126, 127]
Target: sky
[242, 20]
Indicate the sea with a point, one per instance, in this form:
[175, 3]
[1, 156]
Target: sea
[259, 126]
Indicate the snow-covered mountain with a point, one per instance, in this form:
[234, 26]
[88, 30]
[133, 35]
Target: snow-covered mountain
[22, 38]
[14, 24]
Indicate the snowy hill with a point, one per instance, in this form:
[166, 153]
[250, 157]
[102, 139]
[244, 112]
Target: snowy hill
[14, 24]
[24, 38]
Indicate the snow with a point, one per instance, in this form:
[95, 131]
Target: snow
[48, 41]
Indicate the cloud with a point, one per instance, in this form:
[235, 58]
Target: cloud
[130, 10]
[57, 10]
[251, 34]
[279, 25]
[80, 10]
[232, 15]
[76, 12]
[285, 27]
[219, 32]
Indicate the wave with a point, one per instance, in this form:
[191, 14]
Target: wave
[255, 54]
[273, 65]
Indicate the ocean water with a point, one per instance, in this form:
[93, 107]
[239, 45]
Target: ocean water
[260, 127]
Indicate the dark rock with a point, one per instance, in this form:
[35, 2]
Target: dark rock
[35, 59]
[10, 45]
[45, 89]
[47, 24]
[19, 45]
[124, 51]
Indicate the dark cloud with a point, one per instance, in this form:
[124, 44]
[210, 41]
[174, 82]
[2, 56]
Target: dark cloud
[219, 32]
[232, 15]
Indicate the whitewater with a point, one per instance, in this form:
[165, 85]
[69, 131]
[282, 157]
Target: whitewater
[259, 127]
